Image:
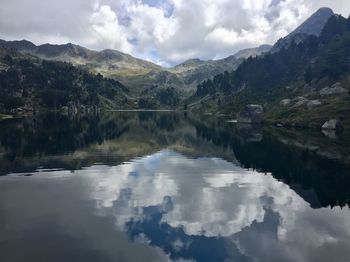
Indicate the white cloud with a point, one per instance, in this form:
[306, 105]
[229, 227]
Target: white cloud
[166, 31]
[105, 30]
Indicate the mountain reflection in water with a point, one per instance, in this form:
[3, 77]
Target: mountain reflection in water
[170, 187]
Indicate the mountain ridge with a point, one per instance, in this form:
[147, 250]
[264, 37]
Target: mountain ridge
[137, 74]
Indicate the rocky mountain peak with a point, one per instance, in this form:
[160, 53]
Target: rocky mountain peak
[312, 26]
[315, 23]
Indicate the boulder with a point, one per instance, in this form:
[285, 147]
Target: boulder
[300, 101]
[336, 85]
[285, 102]
[332, 124]
[336, 89]
[313, 103]
[251, 114]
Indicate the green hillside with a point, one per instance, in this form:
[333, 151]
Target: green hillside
[304, 84]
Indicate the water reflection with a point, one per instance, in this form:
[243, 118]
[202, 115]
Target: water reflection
[204, 209]
[179, 187]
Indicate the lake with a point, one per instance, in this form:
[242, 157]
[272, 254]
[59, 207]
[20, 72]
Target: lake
[166, 186]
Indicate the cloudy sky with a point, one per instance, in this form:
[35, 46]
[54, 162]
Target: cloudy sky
[163, 31]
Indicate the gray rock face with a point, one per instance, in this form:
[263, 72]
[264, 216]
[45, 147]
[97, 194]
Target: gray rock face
[332, 124]
[316, 22]
[285, 102]
[251, 114]
[336, 89]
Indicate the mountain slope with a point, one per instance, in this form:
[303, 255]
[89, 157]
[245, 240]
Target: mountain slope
[304, 84]
[28, 84]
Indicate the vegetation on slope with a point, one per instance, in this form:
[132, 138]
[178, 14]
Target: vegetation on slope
[28, 83]
[300, 71]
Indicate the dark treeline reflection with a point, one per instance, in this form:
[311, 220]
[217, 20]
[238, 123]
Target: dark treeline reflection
[53, 134]
[314, 166]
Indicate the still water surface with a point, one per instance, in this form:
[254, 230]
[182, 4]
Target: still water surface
[170, 187]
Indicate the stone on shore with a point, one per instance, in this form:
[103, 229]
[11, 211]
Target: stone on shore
[252, 114]
[336, 89]
[332, 124]
[285, 102]
[313, 103]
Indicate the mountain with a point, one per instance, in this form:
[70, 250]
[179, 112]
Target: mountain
[78, 55]
[312, 26]
[138, 75]
[226, 63]
[194, 71]
[129, 70]
[29, 84]
[304, 84]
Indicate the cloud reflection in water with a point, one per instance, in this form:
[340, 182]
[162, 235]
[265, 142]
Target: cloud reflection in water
[180, 204]
[214, 198]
